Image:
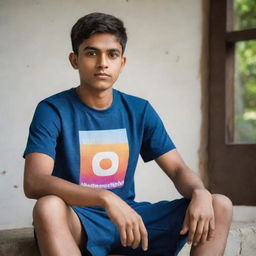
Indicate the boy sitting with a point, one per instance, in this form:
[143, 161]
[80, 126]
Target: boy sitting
[81, 156]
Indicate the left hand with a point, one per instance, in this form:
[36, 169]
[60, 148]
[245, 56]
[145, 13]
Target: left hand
[199, 218]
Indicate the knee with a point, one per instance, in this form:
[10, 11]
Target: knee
[222, 206]
[46, 208]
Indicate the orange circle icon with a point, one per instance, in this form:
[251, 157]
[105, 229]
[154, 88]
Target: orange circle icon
[105, 163]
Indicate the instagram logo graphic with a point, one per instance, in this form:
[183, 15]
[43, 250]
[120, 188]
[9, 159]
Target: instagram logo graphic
[105, 163]
[103, 158]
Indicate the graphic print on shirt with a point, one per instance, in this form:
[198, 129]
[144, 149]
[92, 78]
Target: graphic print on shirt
[104, 158]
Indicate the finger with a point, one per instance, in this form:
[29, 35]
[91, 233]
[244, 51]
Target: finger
[130, 236]
[137, 237]
[199, 232]
[212, 224]
[144, 235]
[185, 226]
[192, 229]
[123, 237]
[211, 232]
[205, 233]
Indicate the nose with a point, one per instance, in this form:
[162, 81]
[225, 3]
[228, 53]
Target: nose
[102, 62]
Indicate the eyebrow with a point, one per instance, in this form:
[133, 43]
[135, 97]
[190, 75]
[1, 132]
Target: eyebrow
[97, 49]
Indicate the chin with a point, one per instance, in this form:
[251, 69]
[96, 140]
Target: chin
[102, 88]
[98, 86]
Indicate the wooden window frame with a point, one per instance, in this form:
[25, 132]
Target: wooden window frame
[231, 166]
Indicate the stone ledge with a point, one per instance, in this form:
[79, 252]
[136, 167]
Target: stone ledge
[18, 242]
[241, 242]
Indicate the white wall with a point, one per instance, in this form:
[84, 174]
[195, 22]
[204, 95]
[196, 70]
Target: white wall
[163, 65]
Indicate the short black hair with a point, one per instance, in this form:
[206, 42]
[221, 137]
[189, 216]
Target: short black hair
[95, 23]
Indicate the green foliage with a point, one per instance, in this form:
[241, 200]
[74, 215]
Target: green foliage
[245, 18]
[244, 14]
[245, 130]
[246, 61]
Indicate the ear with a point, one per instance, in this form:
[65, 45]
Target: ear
[123, 62]
[73, 60]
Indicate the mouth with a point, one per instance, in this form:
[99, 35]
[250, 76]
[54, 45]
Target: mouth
[102, 75]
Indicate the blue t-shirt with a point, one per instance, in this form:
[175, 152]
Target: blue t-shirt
[98, 148]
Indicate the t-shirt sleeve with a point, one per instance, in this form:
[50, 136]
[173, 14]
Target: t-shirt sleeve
[44, 131]
[156, 140]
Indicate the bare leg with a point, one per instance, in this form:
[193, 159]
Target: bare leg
[223, 217]
[58, 228]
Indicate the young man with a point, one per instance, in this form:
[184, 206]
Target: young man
[81, 156]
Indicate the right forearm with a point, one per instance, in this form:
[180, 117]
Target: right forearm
[130, 224]
[71, 193]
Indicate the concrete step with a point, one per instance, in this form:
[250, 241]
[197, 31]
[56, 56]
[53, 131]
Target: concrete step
[241, 242]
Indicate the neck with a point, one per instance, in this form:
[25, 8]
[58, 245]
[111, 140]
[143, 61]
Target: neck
[95, 99]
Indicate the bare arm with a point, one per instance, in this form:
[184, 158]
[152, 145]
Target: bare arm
[39, 182]
[185, 180]
[199, 218]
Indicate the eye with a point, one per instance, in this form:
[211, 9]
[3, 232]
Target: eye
[114, 55]
[90, 53]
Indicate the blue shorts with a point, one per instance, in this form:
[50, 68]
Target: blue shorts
[163, 221]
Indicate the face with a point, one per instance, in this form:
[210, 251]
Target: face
[99, 61]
